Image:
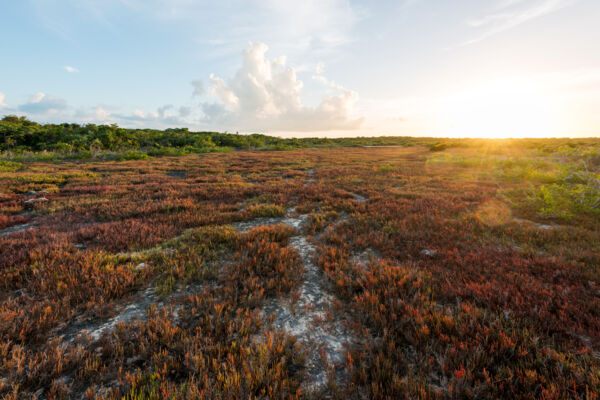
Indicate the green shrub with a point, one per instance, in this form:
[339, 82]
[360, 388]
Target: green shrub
[168, 151]
[439, 146]
[564, 201]
[386, 168]
[10, 166]
[132, 155]
[265, 210]
[80, 155]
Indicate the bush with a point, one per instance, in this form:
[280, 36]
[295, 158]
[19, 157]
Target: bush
[132, 155]
[385, 168]
[168, 151]
[439, 146]
[80, 155]
[565, 201]
[265, 210]
[9, 166]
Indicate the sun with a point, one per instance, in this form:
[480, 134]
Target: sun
[501, 109]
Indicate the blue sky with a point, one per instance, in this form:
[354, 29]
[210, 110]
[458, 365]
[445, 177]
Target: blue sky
[486, 68]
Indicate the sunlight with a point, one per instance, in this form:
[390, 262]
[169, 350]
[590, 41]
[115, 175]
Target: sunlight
[501, 109]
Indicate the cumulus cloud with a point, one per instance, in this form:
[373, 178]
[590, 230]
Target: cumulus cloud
[2, 98]
[266, 95]
[41, 103]
[70, 69]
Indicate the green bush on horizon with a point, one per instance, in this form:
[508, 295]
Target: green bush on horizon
[22, 140]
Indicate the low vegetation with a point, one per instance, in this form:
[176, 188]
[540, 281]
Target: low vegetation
[25, 140]
[464, 270]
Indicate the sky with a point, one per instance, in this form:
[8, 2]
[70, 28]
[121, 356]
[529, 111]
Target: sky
[464, 68]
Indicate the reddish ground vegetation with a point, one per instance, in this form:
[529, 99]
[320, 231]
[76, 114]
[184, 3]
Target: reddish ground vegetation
[449, 295]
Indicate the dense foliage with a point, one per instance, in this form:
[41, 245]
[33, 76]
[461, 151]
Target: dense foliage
[17, 134]
[24, 140]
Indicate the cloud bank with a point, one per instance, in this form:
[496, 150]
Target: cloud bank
[266, 95]
[41, 103]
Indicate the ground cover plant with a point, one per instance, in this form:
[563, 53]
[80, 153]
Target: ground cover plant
[449, 269]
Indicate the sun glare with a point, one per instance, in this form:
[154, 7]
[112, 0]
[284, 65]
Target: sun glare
[502, 109]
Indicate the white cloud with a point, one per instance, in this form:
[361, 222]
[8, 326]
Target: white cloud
[95, 115]
[321, 79]
[512, 13]
[2, 98]
[319, 24]
[306, 29]
[266, 95]
[41, 103]
[164, 117]
[100, 114]
[220, 90]
[70, 69]
[139, 114]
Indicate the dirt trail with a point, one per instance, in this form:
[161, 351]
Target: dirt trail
[128, 312]
[307, 317]
[323, 333]
[358, 197]
[15, 229]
